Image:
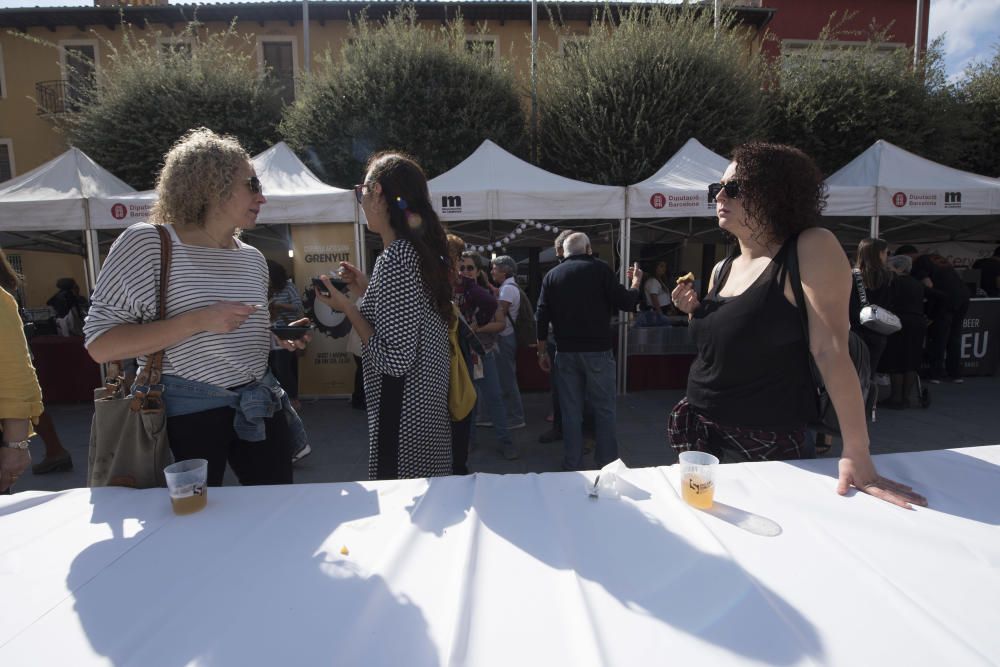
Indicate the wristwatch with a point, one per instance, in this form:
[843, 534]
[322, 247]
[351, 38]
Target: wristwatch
[19, 444]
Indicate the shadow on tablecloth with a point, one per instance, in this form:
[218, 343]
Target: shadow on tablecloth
[249, 587]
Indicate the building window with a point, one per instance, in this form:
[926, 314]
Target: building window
[485, 45]
[3, 76]
[79, 67]
[6, 160]
[833, 50]
[573, 44]
[277, 59]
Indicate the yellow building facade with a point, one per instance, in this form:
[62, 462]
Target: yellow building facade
[35, 79]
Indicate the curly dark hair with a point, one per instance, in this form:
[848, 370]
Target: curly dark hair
[404, 181]
[781, 189]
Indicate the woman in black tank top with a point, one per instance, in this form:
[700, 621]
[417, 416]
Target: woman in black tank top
[750, 384]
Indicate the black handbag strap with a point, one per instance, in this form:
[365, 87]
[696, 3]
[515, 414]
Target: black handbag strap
[795, 278]
[860, 284]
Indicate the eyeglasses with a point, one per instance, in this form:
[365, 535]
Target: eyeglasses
[732, 189]
[466, 267]
[359, 191]
[254, 184]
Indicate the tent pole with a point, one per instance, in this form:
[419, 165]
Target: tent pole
[92, 261]
[534, 82]
[623, 320]
[874, 227]
[93, 250]
[359, 240]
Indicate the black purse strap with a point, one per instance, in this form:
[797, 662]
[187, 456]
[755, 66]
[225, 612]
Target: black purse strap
[860, 284]
[795, 278]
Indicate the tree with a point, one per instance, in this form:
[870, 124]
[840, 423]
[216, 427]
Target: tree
[624, 99]
[834, 102]
[980, 91]
[149, 94]
[399, 85]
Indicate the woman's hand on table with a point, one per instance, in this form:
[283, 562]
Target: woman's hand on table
[859, 471]
[300, 344]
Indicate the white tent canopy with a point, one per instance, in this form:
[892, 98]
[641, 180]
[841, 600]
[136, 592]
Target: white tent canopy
[54, 196]
[492, 184]
[680, 187]
[294, 196]
[887, 180]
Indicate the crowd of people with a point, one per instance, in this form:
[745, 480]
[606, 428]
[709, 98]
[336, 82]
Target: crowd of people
[436, 328]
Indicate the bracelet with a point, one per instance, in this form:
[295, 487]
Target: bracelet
[17, 444]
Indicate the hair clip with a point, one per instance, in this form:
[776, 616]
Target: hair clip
[401, 203]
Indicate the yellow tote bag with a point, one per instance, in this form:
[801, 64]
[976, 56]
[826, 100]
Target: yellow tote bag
[461, 392]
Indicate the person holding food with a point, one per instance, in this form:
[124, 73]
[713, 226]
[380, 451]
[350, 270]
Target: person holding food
[750, 386]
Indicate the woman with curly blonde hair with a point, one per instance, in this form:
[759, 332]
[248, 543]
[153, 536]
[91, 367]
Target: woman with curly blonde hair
[214, 332]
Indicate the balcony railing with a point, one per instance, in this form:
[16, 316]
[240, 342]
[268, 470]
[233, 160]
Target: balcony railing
[55, 97]
[51, 97]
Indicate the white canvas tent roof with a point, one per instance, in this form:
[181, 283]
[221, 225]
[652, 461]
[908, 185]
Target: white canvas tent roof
[887, 180]
[54, 195]
[492, 184]
[294, 196]
[680, 187]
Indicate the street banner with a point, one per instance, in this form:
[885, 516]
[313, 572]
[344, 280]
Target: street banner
[980, 344]
[326, 368]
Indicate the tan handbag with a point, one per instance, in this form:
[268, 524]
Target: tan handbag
[128, 435]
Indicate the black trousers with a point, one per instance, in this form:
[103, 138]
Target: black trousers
[944, 342]
[285, 367]
[461, 433]
[210, 435]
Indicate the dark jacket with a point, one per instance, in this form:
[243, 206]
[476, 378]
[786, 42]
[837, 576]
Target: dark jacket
[579, 297]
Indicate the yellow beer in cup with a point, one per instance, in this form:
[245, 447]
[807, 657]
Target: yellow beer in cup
[698, 479]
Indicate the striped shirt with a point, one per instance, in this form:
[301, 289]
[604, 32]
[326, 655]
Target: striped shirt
[127, 293]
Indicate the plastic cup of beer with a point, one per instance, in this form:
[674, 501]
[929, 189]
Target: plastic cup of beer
[187, 483]
[698, 478]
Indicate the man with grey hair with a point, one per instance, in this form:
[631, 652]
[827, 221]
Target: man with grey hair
[554, 433]
[508, 301]
[578, 298]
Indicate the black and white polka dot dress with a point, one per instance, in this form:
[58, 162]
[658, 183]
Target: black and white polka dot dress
[406, 366]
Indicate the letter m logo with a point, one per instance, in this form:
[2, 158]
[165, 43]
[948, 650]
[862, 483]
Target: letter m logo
[451, 201]
[953, 198]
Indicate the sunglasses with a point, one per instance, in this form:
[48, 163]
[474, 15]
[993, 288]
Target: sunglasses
[466, 267]
[359, 191]
[254, 184]
[732, 189]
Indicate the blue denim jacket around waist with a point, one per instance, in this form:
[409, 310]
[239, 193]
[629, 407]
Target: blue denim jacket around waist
[253, 403]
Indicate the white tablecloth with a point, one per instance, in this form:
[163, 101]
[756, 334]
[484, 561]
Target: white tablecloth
[513, 570]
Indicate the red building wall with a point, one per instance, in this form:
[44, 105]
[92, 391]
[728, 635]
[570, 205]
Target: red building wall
[804, 19]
